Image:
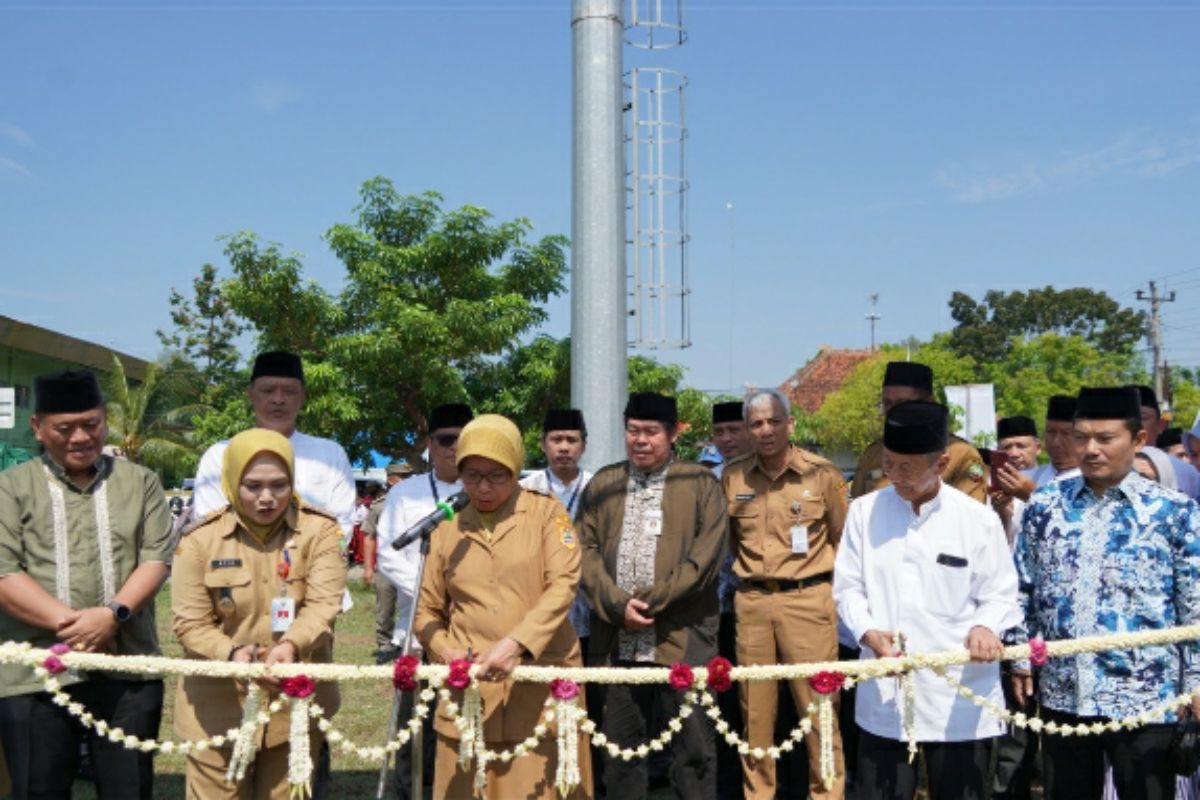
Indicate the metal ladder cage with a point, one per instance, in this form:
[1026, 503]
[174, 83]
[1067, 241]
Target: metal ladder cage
[649, 27]
[656, 191]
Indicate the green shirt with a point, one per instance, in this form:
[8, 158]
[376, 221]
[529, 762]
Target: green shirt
[139, 526]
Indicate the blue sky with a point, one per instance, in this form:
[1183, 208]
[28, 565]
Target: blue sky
[906, 149]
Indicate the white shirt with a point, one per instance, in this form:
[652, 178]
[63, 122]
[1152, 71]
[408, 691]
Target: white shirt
[931, 576]
[406, 504]
[323, 478]
[546, 482]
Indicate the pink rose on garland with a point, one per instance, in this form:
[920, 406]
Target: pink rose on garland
[681, 677]
[563, 689]
[1037, 652]
[718, 674]
[299, 686]
[404, 673]
[460, 674]
[60, 648]
[827, 682]
[54, 665]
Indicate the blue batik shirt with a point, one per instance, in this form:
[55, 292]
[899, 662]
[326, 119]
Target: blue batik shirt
[1126, 561]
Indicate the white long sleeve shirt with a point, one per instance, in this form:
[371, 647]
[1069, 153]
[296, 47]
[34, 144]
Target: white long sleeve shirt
[323, 478]
[406, 504]
[932, 576]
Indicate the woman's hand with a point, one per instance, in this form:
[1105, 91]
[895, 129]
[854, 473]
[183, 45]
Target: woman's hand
[499, 662]
[283, 653]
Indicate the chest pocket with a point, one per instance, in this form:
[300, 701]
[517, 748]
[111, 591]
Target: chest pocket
[809, 511]
[229, 590]
[947, 586]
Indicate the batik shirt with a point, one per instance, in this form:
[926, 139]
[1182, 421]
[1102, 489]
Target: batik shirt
[636, 552]
[1128, 560]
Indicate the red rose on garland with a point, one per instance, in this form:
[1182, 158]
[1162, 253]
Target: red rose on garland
[718, 674]
[460, 674]
[404, 673]
[827, 682]
[682, 677]
[299, 686]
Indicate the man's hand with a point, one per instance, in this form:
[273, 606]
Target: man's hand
[499, 662]
[1022, 686]
[1013, 483]
[89, 630]
[882, 643]
[983, 644]
[634, 621]
[282, 653]
[368, 575]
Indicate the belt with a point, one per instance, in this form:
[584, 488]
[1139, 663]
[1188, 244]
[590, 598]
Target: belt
[781, 585]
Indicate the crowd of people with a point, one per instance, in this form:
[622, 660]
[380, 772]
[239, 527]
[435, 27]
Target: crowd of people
[761, 554]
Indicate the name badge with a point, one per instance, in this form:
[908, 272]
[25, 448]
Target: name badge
[224, 563]
[800, 539]
[743, 497]
[283, 612]
[654, 522]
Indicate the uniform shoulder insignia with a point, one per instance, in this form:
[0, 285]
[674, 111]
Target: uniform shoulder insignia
[321, 512]
[541, 491]
[744, 458]
[975, 471]
[211, 516]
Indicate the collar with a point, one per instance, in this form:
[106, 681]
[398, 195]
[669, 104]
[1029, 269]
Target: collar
[927, 508]
[471, 523]
[229, 522]
[104, 468]
[795, 462]
[556, 485]
[1128, 487]
[645, 477]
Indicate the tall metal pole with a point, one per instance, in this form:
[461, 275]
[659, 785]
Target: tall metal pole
[1155, 334]
[598, 320]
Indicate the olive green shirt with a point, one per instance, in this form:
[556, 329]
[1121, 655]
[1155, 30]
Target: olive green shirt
[140, 531]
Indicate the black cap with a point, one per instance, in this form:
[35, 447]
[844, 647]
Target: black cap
[1015, 426]
[450, 415]
[1109, 402]
[727, 412]
[277, 364]
[1169, 438]
[1146, 395]
[909, 373]
[652, 406]
[1060, 408]
[916, 427]
[564, 419]
[67, 392]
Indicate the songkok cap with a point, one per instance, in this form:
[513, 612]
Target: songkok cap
[916, 427]
[495, 437]
[564, 419]
[710, 455]
[909, 373]
[1169, 438]
[727, 412]
[67, 392]
[1061, 408]
[398, 468]
[1146, 395]
[450, 415]
[277, 364]
[652, 406]
[1015, 426]
[1109, 402]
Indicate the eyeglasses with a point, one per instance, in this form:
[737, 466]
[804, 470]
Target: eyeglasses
[497, 477]
[445, 439]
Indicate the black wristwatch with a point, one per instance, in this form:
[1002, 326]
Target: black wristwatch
[120, 611]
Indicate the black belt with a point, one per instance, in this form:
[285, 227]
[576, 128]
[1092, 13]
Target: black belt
[781, 585]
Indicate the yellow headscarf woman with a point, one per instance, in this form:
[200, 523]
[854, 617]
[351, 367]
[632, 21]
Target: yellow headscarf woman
[258, 510]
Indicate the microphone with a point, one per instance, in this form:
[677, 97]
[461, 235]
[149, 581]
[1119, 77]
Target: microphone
[445, 510]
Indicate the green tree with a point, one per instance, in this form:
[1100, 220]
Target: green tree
[158, 439]
[986, 330]
[205, 328]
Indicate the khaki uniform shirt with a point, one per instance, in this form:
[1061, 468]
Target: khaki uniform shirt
[518, 581]
[140, 529]
[964, 472]
[222, 585]
[370, 525]
[810, 495]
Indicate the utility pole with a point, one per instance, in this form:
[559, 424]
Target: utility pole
[1155, 333]
[873, 317]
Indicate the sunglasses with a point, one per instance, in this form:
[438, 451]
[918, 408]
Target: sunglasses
[445, 439]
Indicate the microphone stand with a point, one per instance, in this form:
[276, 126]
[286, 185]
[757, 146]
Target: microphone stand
[417, 742]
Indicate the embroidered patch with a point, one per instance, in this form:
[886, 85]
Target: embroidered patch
[223, 563]
[975, 472]
[566, 533]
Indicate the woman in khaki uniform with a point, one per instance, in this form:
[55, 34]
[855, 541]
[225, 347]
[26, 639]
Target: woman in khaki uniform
[499, 581]
[233, 576]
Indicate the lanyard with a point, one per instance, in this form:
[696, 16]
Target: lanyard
[574, 494]
[433, 488]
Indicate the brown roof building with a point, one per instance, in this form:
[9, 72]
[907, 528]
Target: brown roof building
[823, 374]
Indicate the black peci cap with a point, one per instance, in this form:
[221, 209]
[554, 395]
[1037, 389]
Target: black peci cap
[564, 419]
[1015, 426]
[69, 392]
[1060, 408]
[652, 406]
[450, 415]
[909, 373]
[727, 412]
[1109, 402]
[277, 364]
[918, 427]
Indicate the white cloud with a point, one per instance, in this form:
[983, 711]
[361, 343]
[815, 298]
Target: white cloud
[7, 164]
[271, 96]
[1142, 154]
[14, 134]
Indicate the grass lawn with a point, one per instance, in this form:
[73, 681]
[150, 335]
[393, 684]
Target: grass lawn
[363, 716]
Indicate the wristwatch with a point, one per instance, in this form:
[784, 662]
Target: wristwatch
[120, 611]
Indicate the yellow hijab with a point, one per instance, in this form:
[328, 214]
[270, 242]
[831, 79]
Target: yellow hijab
[241, 451]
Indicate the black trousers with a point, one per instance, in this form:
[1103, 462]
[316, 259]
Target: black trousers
[42, 741]
[635, 713]
[1074, 765]
[1016, 751]
[956, 770]
[729, 763]
[404, 755]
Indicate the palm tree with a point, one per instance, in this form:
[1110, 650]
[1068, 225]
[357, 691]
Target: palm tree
[158, 440]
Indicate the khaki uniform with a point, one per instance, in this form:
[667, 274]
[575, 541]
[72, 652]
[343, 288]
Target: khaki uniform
[964, 472]
[803, 508]
[517, 581]
[223, 583]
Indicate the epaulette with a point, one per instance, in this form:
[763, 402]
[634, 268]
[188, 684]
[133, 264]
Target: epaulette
[207, 518]
[538, 490]
[744, 457]
[305, 507]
